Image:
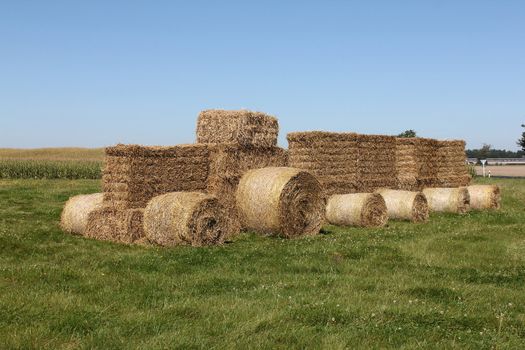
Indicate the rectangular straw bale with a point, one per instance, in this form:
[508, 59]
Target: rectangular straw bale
[231, 160]
[427, 162]
[406, 163]
[134, 174]
[241, 127]
[111, 224]
[331, 157]
[452, 169]
[376, 163]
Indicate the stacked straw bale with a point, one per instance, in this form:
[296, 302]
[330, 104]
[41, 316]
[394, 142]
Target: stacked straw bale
[345, 162]
[239, 140]
[74, 218]
[185, 218]
[452, 168]
[282, 201]
[117, 225]
[484, 197]
[405, 205]
[427, 162]
[241, 127]
[134, 174]
[448, 200]
[357, 209]
[422, 163]
[376, 162]
[331, 157]
[407, 170]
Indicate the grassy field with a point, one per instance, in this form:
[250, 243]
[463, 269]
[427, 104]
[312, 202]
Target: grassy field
[51, 163]
[455, 282]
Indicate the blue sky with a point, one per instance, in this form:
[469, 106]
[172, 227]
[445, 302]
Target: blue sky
[94, 73]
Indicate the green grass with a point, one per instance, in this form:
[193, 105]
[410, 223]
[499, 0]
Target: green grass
[456, 282]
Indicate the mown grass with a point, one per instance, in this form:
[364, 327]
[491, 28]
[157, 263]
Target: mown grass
[455, 282]
[51, 163]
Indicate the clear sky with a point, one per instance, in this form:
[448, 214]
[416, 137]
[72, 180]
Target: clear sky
[94, 73]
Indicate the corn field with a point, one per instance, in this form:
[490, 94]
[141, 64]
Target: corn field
[49, 169]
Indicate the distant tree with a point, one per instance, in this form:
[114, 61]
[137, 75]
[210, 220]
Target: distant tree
[521, 141]
[408, 133]
[493, 153]
[484, 152]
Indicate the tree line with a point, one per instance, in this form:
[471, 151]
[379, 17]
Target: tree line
[486, 151]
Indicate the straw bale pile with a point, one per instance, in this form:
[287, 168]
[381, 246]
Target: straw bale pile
[427, 162]
[345, 162]
[405, 205]
[406, 163]
[241, 127]
[484, 197]
[76, 211]
[134, 174]
[185, 218]
[376, 162]
[117, 225]
[228, 162]
[452, 168]
[280, 200]
[422, 163]
[448, 200]
[357, 209]
[331, 157]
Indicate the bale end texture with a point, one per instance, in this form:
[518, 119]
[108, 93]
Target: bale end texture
[185, 218]
[74, 218]
[281, 201]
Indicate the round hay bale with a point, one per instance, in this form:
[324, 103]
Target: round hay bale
[280, 200]
[357, 209]
[75, 214]
[448, 200]
[405, 205]
[484, 197]
[191, 218]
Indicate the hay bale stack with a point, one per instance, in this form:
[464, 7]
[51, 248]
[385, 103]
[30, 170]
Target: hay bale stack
[427, 162]
[74, 218]
[484, 197]
[241, 127]
[448, 200]
[228, 162]
[376, 162]
[134, 174]
[117, 225]
[331, 157]
[185, 218]
[279, 200]
[406, 163]
[357, 209]
[452, 169]
[405, 205]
